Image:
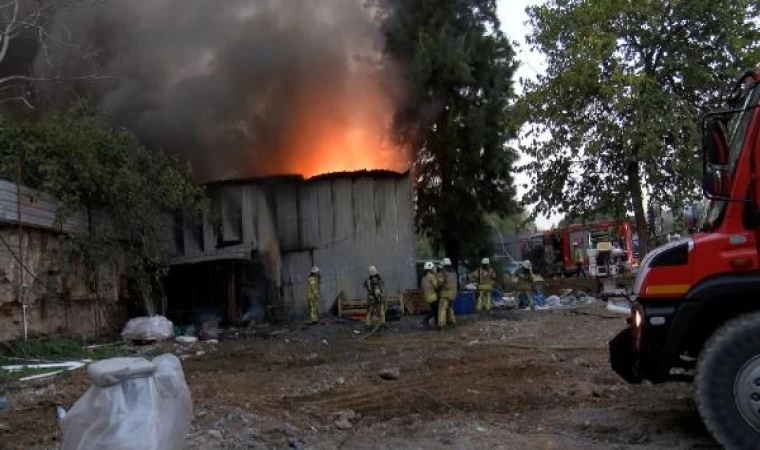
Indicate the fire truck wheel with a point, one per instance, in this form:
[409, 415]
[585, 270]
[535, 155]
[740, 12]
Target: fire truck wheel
[728, 383]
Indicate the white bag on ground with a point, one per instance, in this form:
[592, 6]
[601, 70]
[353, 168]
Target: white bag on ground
[156, 328]
[142, 406]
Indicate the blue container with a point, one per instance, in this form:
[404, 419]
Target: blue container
[464, 303]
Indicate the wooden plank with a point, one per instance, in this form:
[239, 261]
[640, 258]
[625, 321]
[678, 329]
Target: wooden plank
[348, 308]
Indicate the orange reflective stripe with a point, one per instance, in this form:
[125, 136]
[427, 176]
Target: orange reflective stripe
[668, 289]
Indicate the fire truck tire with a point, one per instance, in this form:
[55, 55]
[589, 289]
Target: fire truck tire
[728, 383]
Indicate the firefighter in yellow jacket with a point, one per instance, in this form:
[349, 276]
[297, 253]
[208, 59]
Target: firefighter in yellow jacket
[525, 286]
[429, 285]
[484, 277]
[448, 293]
[375, 299]
[312, 294]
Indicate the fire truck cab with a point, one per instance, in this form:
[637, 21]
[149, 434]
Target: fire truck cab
[696, 301]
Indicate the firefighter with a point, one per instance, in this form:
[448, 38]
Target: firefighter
[312, 294]
[525, 286]
[440, 276]
[430, 290]
[375, 299]
[579, 260]
[448, 294]
[484, 277]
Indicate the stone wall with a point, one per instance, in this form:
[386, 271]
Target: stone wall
[56, 303]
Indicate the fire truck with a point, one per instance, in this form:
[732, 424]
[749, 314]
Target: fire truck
[551, 252]
[696, 301]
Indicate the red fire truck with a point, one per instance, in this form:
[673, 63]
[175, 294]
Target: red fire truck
[696, 301]
[551, 252]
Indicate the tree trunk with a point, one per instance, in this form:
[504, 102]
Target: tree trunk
[637, 196]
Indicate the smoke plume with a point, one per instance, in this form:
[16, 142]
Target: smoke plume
[245, 87]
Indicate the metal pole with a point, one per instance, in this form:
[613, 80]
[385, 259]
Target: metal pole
[20, 247]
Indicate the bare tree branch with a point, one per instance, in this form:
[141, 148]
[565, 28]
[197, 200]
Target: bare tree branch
[20, 98]
[6, 35]
[12, 78]
[38, 20]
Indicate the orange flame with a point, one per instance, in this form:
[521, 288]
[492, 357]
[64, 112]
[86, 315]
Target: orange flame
[341, 132]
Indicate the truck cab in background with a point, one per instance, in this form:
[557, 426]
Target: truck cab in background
[696, 308]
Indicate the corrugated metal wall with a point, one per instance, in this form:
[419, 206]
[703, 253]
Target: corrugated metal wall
[341, 223]
[38, 209]
[345, 225]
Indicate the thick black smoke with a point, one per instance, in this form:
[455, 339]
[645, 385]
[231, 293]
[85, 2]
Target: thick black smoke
[227, 82]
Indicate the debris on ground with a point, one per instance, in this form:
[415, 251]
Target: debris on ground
[390, 374]
[43, 370]
[186, 339]
[210, 330]
[247, 388]
[343, 419]
[148, 329]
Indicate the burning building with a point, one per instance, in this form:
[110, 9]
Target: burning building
[260, 88]
[250, 257]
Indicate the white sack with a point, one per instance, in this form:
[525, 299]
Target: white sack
[156, 328]
[152, 412]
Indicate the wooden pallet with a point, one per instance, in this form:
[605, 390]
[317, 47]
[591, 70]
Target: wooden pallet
[414, 302]
[353, 308]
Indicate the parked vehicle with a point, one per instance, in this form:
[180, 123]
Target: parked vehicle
[696, 309]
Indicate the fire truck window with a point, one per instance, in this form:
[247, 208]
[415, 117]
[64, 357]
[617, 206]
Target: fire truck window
[580, 238]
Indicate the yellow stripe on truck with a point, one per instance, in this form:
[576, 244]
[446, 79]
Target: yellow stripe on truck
[668, 289]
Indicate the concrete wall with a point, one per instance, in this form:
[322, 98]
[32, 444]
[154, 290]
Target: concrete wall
[342, 223]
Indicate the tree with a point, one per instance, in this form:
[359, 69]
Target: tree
[617, 114]
[124, 188]
[458, 66]
[34, 50]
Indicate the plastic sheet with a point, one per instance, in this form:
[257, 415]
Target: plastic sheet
[156, 328]
[146, 413]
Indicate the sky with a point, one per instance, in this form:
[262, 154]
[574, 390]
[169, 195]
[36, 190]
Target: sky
[513, 22]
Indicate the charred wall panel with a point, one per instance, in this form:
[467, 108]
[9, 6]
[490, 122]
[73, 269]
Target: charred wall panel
[342, 210]
[295, 270]
[405, 232]
[308, 216]
[286, 206]
[326, 212]
[387, 247]
[231, 214]
[249, 211]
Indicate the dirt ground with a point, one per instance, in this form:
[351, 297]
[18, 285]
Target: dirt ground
[513, 379]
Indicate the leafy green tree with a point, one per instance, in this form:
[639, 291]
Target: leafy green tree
[621, 100]
[458, 66]
[124, 188]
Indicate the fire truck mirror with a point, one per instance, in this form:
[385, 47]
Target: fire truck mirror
[717, 183]
[715, 141]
